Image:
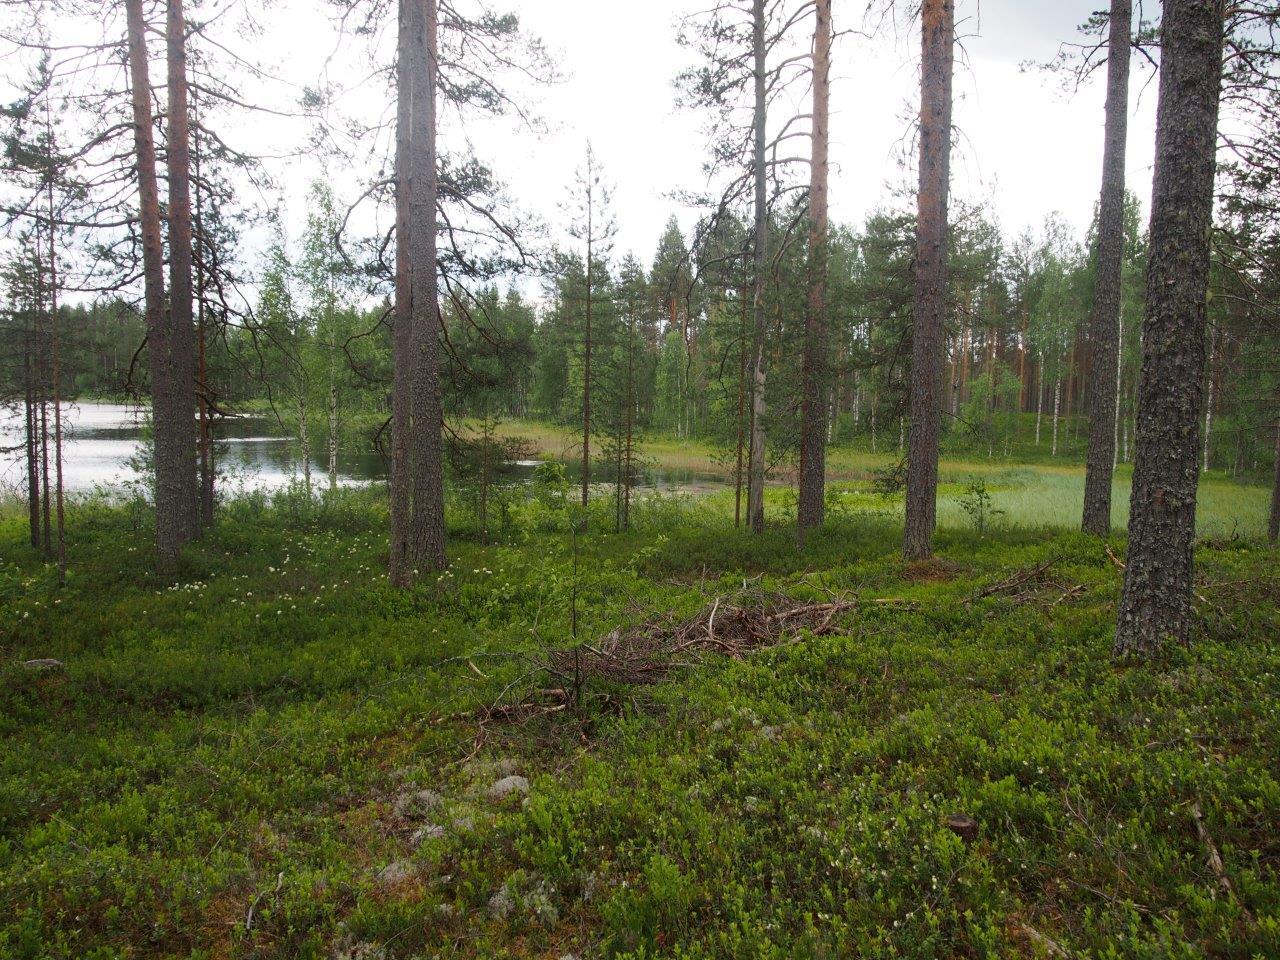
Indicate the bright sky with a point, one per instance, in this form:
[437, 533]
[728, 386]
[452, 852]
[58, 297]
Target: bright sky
[1024, 142]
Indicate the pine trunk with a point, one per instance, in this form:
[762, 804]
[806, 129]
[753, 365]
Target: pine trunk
[428, 410]
[171, 529]
[813, 430]
[1155, 605]
[755, 484]
[417, 480]
[1104, 322]
[182, 343]
[938, 39]
[402, 559]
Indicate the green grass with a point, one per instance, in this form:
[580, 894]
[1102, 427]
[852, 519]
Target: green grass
[223, 766]
[1033, 491]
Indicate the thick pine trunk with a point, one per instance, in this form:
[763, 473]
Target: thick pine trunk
[937, 66]
[428, 409]
[1104, 322]
[1155, 606]
[755, 482]
[417, 470]
[182, 352]
[172, 530]
[401, 494]
[813, 430]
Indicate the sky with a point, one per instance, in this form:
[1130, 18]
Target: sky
[1024, 143]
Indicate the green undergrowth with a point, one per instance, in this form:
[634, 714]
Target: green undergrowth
[275, 755]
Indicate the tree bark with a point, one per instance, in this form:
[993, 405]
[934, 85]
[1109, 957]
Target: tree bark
[428, 409]
[182, 354]
[417, 469]
[401, 493]
[813, 429]
[1155, 606]
[1104, 321]
[937, 67]
[755, 484]
[171, 530]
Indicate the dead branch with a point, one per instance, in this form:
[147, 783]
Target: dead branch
[1215, 862]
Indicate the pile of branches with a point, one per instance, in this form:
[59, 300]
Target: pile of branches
[730, 626]
[1030, 585]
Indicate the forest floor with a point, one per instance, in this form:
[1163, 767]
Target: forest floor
[763, 752]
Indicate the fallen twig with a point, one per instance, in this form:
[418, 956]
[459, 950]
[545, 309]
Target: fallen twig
[1051, 947]
[1017, 580]
[1111, 555]
[1215, 862]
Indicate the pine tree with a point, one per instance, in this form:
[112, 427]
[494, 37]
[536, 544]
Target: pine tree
[937, 66]
[1155, 605]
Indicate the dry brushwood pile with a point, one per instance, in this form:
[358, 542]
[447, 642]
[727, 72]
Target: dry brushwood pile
[731, 626]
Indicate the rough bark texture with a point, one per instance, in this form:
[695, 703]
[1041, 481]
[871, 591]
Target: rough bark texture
[401, 561]
[1156, 602]
[1104, 321]
[182, 342]
[428, 412]
[937, 66]
[755, 481]
[813, 424]
[417, 497]
[171, 528]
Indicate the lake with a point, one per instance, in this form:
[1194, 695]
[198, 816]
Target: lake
[102, 442]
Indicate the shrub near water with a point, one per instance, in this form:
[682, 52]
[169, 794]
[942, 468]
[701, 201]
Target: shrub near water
[219, 769]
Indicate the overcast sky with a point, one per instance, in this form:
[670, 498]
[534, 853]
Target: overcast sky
[1023, 142]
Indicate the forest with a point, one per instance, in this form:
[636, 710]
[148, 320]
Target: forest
[398, 560]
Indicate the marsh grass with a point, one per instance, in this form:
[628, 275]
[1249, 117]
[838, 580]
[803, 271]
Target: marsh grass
[1037, 493]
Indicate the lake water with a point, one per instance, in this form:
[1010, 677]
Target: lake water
[102, 442]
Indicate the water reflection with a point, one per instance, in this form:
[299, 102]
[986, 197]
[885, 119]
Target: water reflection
[104, 444]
